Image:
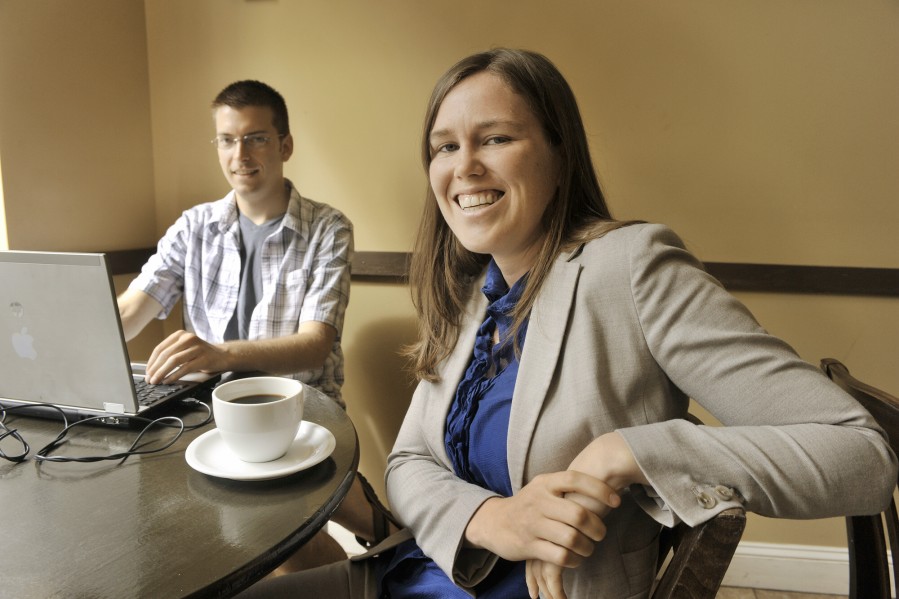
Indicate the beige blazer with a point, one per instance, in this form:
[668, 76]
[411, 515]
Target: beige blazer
[623, 332]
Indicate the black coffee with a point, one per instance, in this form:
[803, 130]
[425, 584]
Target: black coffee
[258, 398]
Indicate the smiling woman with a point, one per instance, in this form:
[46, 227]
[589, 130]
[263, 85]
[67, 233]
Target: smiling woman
[557, 356]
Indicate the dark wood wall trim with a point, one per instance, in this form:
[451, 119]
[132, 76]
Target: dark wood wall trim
[783, 278]
[381, 266]
[124, 262]
[392, 267]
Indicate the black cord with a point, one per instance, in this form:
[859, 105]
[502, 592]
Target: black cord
[136, 448]
[14, 433]
[42, 454]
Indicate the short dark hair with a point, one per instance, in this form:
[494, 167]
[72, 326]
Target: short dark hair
[241, 94]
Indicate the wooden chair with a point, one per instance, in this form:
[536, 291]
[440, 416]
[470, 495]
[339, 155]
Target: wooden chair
[869, 571]
[693, 561]
[700, 556]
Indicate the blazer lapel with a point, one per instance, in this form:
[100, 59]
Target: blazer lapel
[546, 332]
[454, 368]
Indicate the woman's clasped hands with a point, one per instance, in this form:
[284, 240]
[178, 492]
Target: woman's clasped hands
[539, 522]
[607, 461]
[554, 520]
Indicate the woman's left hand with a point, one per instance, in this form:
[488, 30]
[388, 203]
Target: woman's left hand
[544, 577]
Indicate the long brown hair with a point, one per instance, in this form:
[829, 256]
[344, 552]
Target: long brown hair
[442, 271]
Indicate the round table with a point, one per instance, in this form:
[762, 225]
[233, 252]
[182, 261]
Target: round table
[152, 526]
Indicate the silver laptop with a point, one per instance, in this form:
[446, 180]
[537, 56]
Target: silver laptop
[61, 341]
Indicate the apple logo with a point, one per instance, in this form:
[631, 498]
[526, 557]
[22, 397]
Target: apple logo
[23, 343]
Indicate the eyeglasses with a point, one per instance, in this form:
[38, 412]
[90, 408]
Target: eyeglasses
[254, 141]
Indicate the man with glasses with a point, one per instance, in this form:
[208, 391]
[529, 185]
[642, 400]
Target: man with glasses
[264, 273]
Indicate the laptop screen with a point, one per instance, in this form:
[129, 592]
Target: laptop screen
[60, 336]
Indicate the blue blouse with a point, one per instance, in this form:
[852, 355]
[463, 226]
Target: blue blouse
[476, 430]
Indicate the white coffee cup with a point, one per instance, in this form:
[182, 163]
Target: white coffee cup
[258, 417]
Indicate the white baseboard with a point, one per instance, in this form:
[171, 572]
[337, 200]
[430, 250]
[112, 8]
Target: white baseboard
[798, 568]
[346, 539]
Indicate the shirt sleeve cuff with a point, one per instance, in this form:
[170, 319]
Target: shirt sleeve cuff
[472, 566]
[651, 503]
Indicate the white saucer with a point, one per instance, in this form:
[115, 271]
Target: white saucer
[209, 454]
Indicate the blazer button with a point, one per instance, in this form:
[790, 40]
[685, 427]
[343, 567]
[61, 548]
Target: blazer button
[706, 500]
[724, 493]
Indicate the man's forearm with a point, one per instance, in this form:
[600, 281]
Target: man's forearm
[305, 350]
[136, 310]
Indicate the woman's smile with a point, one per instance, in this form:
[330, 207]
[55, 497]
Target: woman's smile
[475, 201]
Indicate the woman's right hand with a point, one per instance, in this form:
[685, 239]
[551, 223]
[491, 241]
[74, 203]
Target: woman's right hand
[539, 522]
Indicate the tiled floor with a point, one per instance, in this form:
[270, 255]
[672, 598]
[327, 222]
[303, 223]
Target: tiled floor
[739, 593]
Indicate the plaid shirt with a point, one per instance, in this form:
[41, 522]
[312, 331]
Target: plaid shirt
[305, 271]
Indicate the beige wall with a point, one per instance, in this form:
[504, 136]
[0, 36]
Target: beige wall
[75, 125]
[762, 132]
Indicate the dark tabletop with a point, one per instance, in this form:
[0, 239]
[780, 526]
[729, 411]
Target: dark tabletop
[152, 526]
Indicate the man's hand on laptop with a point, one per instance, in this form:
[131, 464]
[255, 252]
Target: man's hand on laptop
[182, 353]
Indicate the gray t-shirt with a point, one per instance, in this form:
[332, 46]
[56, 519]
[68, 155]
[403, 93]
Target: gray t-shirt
[252, 237]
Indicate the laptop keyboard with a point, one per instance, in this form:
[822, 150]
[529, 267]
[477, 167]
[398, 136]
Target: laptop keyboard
[148, 394]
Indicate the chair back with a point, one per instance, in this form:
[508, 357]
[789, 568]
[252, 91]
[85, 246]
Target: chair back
[693, 560]
[868, 539]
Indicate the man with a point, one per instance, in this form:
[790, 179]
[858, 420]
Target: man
[264, 273]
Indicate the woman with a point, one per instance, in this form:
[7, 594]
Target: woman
[545, 445]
